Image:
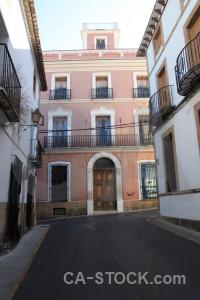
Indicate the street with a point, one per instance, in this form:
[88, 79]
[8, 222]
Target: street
[119, 256]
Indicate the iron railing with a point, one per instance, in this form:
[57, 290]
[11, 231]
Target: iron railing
[91, 141]
[161, 101]
[101, 47]
[141, 92]
[102, 93]
[36, 153]
[10, 85]
[188, 59]
[60, 94]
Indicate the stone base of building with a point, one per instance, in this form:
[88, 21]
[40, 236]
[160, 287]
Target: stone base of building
[51, 210]
[190, 224]
[130, 205]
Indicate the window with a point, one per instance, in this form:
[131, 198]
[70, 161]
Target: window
[143, 129]
[157, 40]
[161, 76]
[103, 130]
[197, 119]
[59, 120]
[101, 119]
[60, 87]
[142, 87]
[100, 44]
[170, 163]
[59, 181]
[148, 186]
[101, 86]
[60, 132]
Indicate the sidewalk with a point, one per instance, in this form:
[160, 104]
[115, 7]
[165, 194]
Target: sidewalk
[14, 265]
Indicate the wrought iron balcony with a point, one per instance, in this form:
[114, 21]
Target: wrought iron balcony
[92, 141]
[10, 88]
[60, 94]
[36, 153]
[102, 93]
[187, 67]
[141, 92]
[160, 105]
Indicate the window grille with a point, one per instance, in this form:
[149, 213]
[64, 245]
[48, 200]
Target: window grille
[148, 181]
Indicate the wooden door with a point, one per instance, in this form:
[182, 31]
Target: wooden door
[104, 189]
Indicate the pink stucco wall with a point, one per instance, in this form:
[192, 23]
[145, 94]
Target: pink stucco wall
[79, 163]
[91, 36]
[81, 84]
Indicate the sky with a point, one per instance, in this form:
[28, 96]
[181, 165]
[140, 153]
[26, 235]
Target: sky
[60, 21]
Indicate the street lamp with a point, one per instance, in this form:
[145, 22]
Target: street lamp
[36, 115]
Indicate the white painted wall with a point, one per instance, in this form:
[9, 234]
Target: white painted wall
[187, 149]
[186, 206]
[174, 42]
[13, 141]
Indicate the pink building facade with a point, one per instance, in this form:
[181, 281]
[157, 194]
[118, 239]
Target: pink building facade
[98, 153]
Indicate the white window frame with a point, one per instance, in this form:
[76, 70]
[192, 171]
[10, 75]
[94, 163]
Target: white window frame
[59, 113]
[100, 38]
[60, 75]
[55, 163]
[139, 163]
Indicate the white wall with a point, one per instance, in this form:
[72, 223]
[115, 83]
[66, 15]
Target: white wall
[187, 148]
[12, 140]
[174, 42]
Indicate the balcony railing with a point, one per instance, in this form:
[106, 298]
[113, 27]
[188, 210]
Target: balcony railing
[102, 93]
[141, 92]
[187, 67]
[60, 94]
[10, 88]
[102, 47]
[161, 104]
[36, 153]
[92, 141]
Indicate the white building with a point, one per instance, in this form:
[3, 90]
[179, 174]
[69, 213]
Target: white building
[171, 44]
[21, 79]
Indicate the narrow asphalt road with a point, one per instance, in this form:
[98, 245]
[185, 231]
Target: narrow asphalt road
[120, 256]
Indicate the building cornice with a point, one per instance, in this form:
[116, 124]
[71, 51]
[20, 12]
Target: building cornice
[152, 24]
[29, 10]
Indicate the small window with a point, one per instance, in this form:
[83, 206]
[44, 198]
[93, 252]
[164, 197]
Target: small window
[157, 40]
[59, 211]
[100, 44]
[169, 154]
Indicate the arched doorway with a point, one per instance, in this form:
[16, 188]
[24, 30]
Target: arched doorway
[104, 184]
[90, 180]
